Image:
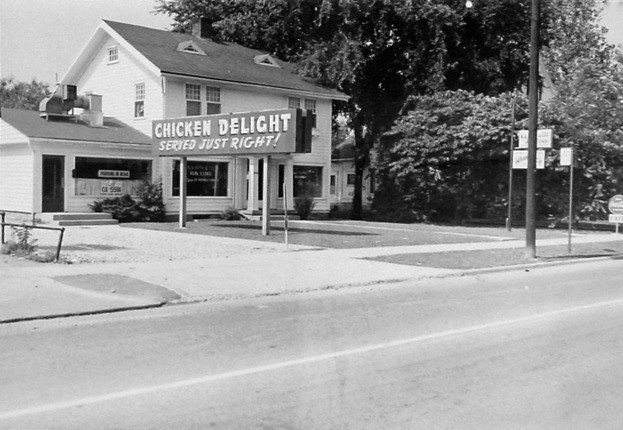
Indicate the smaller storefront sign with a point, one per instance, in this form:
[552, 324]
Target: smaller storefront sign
[113, 174]
[111, 188]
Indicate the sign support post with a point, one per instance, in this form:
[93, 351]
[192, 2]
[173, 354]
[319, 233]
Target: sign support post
[510, 170]
[183, 187]
[266, 198]
[285, 208]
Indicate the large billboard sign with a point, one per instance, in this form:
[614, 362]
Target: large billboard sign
[262, 132]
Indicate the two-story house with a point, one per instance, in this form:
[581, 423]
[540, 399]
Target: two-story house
[138, 75]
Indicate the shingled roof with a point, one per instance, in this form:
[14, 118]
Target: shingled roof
[32, 125]
[223, 61]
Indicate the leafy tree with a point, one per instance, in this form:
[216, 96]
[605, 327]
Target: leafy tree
[587, 115]
[378, 51]
[446, 158]
[425, 165]
[22, 95]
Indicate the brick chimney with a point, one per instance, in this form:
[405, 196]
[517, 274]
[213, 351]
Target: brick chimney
[202, 28]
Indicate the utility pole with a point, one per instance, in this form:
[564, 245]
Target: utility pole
[532, 131]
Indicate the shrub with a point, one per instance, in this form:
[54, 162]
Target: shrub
[304, 205]
[22, 244]
[151, 207]
[148, 208]
[230, 214]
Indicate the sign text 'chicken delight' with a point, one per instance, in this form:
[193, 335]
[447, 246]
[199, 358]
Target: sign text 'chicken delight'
[263, 132]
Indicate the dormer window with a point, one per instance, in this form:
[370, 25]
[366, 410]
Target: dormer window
[265, 60]
[113, 55]
[190, 47]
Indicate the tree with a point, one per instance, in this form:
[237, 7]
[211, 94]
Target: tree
[446, 158]
[22, 95]
[437, 160]
[377, 51]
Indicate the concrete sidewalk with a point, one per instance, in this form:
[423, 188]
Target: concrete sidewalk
[34, 290]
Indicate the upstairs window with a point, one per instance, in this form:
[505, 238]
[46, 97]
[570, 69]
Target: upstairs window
[193, 100]
[310, 104]
[213, 97]
[190, 47]
[294, 103]
[265, 60]
[139, 100]
[113, 55]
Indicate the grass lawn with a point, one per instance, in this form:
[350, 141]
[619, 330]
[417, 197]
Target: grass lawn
[480, 259]
[349, 234]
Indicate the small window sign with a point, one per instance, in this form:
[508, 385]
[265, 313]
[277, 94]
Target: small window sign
[111, 188]
[123, 174]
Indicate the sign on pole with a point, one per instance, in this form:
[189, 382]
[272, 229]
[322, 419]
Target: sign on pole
[283, 131]
[544, 138]
[615, 206]
[520, 159]
[566, 156]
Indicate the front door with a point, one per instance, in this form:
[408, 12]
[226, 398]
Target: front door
[53, 190]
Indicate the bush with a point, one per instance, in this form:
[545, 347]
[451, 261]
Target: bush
[148, 208]
[304, 205]
[230, 214]
[151, 207]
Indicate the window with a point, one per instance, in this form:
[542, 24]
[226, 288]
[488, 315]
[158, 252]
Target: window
[190, 47]
[193, 100]
[97, 168]
[139, 100]
[213, 96]
[113, 54]
[294, 103]
[307, 181]
[265, 60]
[310, 104]
[333, 185]
[203, 178]
[350, 179]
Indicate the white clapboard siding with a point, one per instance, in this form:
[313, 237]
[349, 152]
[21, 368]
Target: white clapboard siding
[17, 179]
[116, 83]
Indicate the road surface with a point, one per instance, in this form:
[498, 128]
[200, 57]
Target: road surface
[537, 349]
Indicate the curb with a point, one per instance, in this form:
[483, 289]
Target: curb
[82, 313]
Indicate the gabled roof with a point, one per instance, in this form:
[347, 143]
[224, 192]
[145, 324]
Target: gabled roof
[33, 126]
[222, 61]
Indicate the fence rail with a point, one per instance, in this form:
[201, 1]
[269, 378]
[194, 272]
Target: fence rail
[33, 226]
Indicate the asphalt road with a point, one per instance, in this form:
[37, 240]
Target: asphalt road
[537, 349]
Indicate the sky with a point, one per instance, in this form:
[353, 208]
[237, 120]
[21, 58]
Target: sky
[41, 38]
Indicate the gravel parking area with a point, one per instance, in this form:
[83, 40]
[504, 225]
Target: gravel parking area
[116, 243]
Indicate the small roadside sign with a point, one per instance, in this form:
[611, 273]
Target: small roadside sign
[615, 218]
[566, 156]
[543, 138]
[615, 204]
[520, 159]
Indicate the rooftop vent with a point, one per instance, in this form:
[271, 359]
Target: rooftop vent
[62, 102]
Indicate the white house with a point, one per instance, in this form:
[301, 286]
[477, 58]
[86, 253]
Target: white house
[144, 74]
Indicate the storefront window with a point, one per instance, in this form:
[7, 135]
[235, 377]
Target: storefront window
[112, 168]
[307, 180]
[110, 176]
[203, 178]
